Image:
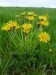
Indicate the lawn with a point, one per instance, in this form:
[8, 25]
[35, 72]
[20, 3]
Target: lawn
[23, 51]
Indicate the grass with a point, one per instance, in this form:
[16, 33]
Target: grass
[18, 62]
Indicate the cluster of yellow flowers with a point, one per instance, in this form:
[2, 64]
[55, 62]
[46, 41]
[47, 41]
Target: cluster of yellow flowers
[44, 21]
[31, 16]
[27, 27]
[10, 25]
[43, 36]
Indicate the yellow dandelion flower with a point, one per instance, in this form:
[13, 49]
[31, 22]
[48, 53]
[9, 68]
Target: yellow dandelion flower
[12, 23]
[6, 28]
[43, 18]
[43, 23]
[27, 26]
[30, 13]
[44, 37]
[23, 13]
[30, 18]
